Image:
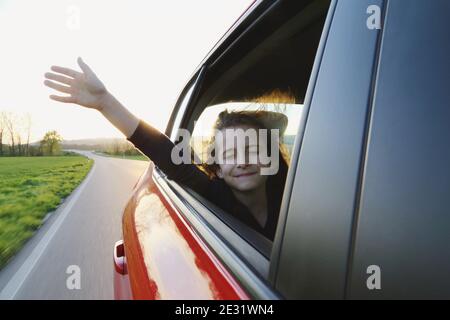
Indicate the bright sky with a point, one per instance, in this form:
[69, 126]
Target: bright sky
[143, 50]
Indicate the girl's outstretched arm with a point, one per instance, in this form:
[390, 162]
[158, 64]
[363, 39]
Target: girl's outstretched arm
[85, 89]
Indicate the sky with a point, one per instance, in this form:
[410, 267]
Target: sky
[144, 51]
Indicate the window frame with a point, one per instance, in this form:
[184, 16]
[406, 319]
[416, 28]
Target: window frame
[179, 111]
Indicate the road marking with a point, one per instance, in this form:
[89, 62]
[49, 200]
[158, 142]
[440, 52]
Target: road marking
[16, 282]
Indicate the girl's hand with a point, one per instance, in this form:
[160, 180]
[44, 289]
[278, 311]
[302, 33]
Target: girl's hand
[84, 88]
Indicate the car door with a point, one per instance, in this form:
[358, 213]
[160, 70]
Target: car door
[402, 239]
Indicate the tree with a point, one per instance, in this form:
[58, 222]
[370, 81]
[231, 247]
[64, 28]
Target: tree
[10, 120]
[2, 130]
[19, 143]
[19, 122]
[51, 143]
[28, 124]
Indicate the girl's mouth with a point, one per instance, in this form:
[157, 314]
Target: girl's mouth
[245, 174]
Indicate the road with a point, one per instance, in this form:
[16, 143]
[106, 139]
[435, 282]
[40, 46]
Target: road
[80, 233]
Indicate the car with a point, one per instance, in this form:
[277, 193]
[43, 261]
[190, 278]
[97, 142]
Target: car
[366, 206]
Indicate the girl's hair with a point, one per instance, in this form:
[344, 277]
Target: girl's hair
[276, 96]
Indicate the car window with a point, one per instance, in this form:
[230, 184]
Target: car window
[265, 71]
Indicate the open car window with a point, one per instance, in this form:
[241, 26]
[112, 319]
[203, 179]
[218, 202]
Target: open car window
[275, 55]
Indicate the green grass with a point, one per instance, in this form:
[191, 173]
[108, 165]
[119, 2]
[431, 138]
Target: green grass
[30, 187]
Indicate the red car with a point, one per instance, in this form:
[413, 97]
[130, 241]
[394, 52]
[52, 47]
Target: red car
[365, 209]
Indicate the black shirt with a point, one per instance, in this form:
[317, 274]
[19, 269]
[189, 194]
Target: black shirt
[158, 148]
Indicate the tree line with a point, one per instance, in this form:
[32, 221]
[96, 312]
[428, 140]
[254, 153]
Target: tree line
[15, 134]
[120, 147]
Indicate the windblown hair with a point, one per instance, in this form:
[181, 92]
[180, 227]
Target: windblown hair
[277, 96]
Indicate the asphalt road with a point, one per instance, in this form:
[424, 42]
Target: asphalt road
[80, 233]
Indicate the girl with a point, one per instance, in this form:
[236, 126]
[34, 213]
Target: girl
[239, 189]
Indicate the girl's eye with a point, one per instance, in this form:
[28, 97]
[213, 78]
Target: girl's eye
[250, 154]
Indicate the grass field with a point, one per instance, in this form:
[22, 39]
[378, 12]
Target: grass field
[30, 187]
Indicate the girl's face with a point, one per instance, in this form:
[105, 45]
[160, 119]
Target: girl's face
[240, 176]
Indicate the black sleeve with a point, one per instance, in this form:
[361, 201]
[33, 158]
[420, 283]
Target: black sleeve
[158, 147]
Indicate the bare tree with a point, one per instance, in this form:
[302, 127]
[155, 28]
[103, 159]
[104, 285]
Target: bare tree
[19, 142]
[15, 129]
[10, 127]
[21, 131]
[28, 123]
[2, 130]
